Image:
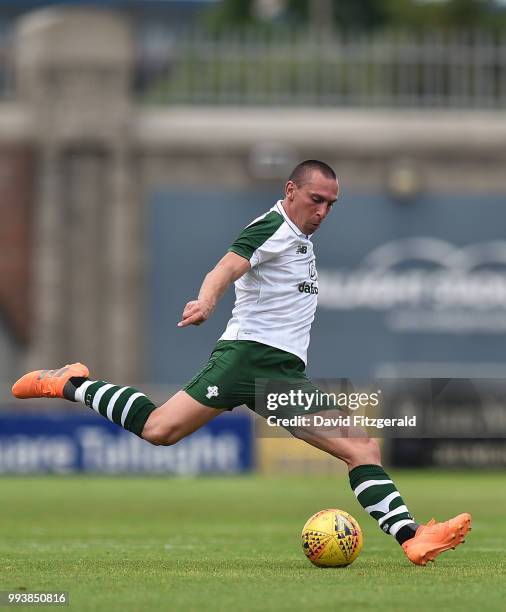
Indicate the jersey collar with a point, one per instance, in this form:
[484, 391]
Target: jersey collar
[291, 224]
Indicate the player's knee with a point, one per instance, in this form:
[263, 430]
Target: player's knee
[161, 434]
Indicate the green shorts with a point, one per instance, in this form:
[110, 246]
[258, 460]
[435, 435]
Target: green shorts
[238, 368]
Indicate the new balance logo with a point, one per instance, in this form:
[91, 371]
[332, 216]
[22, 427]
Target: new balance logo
[301, 249]
[212, 391]
[308, 288]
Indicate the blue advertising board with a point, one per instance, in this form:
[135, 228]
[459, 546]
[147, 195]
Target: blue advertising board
[63, 443]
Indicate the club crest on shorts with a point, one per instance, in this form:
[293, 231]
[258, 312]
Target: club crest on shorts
[212, 391]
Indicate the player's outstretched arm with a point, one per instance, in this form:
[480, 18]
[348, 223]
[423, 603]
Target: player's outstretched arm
[227, 270]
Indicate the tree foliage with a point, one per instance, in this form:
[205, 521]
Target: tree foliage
[374, 14]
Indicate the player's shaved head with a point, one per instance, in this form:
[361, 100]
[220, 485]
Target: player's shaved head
[310, 192]
[303, 172]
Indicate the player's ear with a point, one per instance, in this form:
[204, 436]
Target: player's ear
[290, 189]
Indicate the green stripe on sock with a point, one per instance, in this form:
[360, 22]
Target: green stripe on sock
[373, 495]
[104, 400]
[120, 404]
[367, 472]
[395, 503]
[138, 415]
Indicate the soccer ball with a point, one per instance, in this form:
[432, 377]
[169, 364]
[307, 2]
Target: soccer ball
[331, 538]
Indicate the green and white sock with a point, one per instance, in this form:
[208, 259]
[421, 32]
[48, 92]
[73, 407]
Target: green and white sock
[378, 495]
[125, 406]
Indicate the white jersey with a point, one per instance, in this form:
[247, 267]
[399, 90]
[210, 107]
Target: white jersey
[275, 300]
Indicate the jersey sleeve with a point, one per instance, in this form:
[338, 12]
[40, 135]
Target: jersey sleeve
[261, 240]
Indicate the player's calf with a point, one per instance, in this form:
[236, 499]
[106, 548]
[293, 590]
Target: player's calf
[180, 416]
[354, 451]
[158, 434]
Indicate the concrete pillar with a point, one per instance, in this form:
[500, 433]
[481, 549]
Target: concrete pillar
[125, 266]
[48, 268]
[85, 235]
[74, 69]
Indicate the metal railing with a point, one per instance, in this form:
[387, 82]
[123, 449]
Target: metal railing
[300, 68]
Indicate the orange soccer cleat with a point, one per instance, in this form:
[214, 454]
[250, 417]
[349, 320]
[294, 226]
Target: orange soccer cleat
[434, 538]
[47, 383]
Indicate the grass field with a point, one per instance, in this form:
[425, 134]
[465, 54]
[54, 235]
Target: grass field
[234, 544]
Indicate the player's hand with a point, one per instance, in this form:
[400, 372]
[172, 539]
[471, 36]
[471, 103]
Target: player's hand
[195, 313]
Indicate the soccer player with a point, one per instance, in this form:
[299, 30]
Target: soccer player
[273, 266]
